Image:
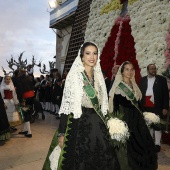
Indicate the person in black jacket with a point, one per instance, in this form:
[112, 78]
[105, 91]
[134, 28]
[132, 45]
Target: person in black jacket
[28, 97]
[41, 91]
[155, 97]
[47, 95]
[58, 90]
[54, 106]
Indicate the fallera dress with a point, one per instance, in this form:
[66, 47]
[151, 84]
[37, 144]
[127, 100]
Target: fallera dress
[88, 144]
[140, 153]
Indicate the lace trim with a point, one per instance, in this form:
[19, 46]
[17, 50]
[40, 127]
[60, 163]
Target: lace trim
[81, 96]
[72, 96]
[54, 158]
[86, 101]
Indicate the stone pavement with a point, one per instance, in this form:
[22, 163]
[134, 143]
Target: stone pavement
[20, 153]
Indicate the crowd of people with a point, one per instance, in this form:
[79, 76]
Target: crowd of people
[49, 91]
[21, 94]
[81, 99]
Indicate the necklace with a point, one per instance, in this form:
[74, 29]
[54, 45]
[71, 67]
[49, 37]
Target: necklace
[90, 80]
[129, 84]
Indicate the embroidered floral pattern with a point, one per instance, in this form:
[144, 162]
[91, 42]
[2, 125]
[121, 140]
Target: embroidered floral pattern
[99, 26]
[88, 144]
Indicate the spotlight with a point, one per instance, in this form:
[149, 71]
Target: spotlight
[53, 4]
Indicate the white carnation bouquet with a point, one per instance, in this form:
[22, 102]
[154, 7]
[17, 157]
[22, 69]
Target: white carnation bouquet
[118, 129]
[151, 119]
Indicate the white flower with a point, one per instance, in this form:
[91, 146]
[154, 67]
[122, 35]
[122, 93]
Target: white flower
[151, 118]
[99, 25]
[149, 23]
[118, 130]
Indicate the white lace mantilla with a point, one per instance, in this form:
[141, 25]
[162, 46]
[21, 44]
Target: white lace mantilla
[86, 101]
[115, 89]
[73, 94]
[74, 99]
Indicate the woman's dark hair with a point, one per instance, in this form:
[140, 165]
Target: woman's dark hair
[123, 66]
[86, 44]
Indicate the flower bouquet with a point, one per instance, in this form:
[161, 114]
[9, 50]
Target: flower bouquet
[152, 119]
[118, 129]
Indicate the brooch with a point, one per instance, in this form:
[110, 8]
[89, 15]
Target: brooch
[125, 89]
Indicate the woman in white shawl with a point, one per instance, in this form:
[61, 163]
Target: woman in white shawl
[124, 97]
[82, 134]
[10, 99]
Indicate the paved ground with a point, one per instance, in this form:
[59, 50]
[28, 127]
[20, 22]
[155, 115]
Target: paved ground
[20, 153]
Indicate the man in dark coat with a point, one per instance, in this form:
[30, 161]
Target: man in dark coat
[155, 98]
[41, 91]
[28, 97]
[54, 106]
[58, 90]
